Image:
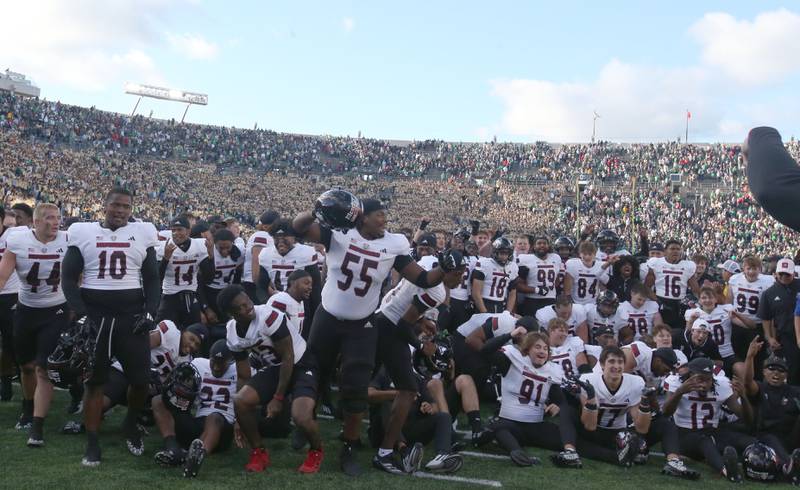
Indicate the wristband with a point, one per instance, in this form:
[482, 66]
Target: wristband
[277, 396]
[423, 224]
[590, 407]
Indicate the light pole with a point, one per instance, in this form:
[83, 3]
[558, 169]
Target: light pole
[595, 117]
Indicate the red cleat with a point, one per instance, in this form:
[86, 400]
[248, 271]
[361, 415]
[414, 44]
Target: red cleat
[312, 463]
[259, 461]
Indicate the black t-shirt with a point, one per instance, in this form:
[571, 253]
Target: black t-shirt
[777, 408]
[777, 304]
[683, 342]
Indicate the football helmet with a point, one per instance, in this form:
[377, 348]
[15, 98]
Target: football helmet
[502, 244]
[338, 209]
[760, 462]
[182, 386]
[439, 362]
[608, 240]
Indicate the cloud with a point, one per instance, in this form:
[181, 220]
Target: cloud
[91, 48]
[193, 46]
[348, 24]
[750, 52]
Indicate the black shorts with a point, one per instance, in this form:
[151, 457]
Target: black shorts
[494, 306]
[36, 332]
[356, 340]
[181, 308]
[468, 361]
[394, 353]
[115, 339]
[116, 387]
[531, 305]
[672, 313]
[7, 307]
[188, 428]
[303, 383]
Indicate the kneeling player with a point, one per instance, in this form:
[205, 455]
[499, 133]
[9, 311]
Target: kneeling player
[211, 428]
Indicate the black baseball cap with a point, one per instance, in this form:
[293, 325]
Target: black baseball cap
[269, 217]
[657, 247]
[777, 361]
[427, 240]
[198, 329]
[371, 205]
[282, 227]
[701, 365]
[667, 355]
[180, 222]
[216, 220]
[604, 330]
[529, 322]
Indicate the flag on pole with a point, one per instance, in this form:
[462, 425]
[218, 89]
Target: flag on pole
[688, 114]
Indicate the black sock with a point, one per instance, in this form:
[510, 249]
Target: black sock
[171, 443]
[131, 419]
[38, 423]
[27, 407]
[475, 422]
[91, 439]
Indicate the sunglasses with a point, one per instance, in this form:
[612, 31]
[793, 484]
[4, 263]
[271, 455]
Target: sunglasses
[780, 369]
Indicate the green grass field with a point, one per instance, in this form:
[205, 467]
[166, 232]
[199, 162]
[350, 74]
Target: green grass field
[57, 465]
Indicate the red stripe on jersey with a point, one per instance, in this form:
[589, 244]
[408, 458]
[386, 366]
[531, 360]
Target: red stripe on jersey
[533, 376]
[279, 305]
[184, 262]
[44, 256]
[501, 274]
[113, 245]
[163, 327]
[559, 356]
[229, 266]
[271, 318]
[495, 324]
[635, 350]
[162, 238]
[365, 252]
[581, 274]
[260, 240]
[169, 359]
[428, 300]
[218, 382]
[283, 267]
[748, 290]
[2, 250]
[672, 272]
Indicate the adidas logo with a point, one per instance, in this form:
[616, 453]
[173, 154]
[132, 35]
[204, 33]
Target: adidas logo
[777, 298]
[60, 251]
[132, 239]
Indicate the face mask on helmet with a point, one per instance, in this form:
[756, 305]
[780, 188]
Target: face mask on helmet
[502, 246]
[439, 362]
[182, 386]
[760, 462]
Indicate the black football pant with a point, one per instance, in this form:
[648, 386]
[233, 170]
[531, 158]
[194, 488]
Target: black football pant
[672, 314]
[437, 427]
[663, 429]
[701, 445]
[7, 303]
[458, 314]
[512, 435]
[182, 308]
[599, 444]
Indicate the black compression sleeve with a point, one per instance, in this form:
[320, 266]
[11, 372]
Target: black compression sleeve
[491, 352]
[478, 275]
[262, 288]
[162, 268]
[523, 271]
[773, 176]
[151, 283]
[281, 332]
[71, 269]
[401, 261]
[325, 234]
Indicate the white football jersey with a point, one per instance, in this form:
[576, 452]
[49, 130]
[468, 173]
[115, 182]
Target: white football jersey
[566, 355]
[258, 338]
[721, 327]
[699, 410]
[112, 260]
[357, 268]
[502, 323]
[604, 256]
[585, 280]
[294, 310]
[216, 394]
[525, 388]
[182, 267]
[163, 237]
[640, 320]
[396, 302]
[38, 267]
[542, 274]
[496, 278]
[279, 267]
[257, 239]
[167, 355]
[672, 280]
[578, 316]
[643, 356]
[613, 408]
[747, 295]
[463, 291]
[13, 283]
[224, 269]
[595, 320]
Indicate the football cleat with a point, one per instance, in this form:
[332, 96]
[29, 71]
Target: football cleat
[445, 463]
[312, 463]
[567, 458]
[412, 457]
[627, 445]
[135, 444]
[259, 461]
[482, 438]
[170, 457]
[520, 458]
[35, 437]
[72, 427]
[676, 467]
[643, 454]
[730, 459]
[348, 461]
[24, 422]
[793, 467]
[388, 464]
[91, 458]
[194, 458]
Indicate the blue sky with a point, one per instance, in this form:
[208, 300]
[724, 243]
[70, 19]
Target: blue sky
[449, 70]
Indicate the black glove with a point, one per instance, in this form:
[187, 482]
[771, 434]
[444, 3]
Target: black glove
[498, 233]
[142, 324]
[447, 261]
[570, 385]
[423, 224]
[588, 388]
[476, 226]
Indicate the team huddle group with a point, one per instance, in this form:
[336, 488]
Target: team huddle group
[588, 353]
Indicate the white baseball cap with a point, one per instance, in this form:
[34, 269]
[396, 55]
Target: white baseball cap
[701, 324]
[785, 266]
[730, 266]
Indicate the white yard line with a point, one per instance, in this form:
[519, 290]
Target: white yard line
[476, 454]
[459, 479]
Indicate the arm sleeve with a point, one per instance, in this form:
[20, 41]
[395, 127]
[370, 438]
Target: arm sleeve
[151, 282]
[262, 288]
[71, 268]
[491, 352]
[488, 328]
[773, 176]
[477, 275]
[523, 272]
[325, 236]
[401, 261]
[162, 268]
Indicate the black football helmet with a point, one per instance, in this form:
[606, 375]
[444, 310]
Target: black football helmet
[182, 386]
[439, 362]
[608, 300]
[338, 209]
[502, 244]
[608, 240]
[760, 462]
[73, 358]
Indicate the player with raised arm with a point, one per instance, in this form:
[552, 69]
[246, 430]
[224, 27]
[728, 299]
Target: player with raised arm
[119, 291]
[360, 256]
[34, 257]
[586, 275]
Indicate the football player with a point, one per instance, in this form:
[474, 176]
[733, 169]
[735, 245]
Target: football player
[603, 314]
[697, 341]
[8, 301]
[228, 261]
[638, 315]
[608, 244]
[720, 318]
[180, 267]
[604, 337]
[110, 273]
[573, 314]
[744, 293]
[34, 257]
[211, 428]
[460, 302]
[563, 246]
[539, 273]
[259, 240]
[494, 279]
[585, 276]
[565, 350]
[672, 277]
[360, 256]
